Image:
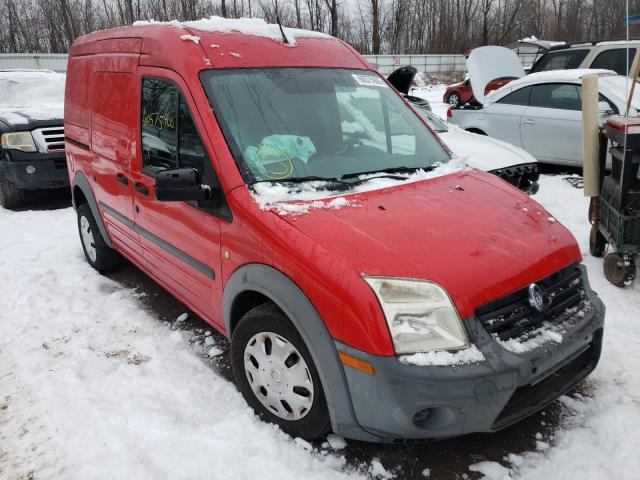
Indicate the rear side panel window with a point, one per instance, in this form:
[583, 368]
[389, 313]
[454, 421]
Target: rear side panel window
[562, 96]
[519, 97]
[615, 59]
[560, 60]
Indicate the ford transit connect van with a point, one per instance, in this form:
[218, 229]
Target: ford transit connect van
[369, 284]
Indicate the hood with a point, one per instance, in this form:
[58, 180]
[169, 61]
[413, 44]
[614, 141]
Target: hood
[32, 117]
[470, 232]
[489, 63]
[482, 152]
[402, 78]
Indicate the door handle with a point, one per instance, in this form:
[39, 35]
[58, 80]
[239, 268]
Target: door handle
[529, 121]
[122, 178]
[141, 188]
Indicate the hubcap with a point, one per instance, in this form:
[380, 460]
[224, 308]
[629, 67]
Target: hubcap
[87, 238]
[278, 375]
[454, 100]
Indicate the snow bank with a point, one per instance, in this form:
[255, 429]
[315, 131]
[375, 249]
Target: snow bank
[93, 386]
[248, 26]
[600, 436]
[298, 199]
[450, 359]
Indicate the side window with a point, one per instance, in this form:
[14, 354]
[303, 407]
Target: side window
[170, 138]
[159, 124]
[191, 151]
[614, 59]
[561, 60]
[563, 96]
[519, 97]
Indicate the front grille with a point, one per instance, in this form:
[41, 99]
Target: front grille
[49, 139]
[512, 316]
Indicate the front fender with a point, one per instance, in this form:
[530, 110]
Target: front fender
[294, 303]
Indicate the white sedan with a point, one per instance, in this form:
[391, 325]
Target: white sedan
[540, 112]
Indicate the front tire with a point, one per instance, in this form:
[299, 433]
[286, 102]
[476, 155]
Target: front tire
[10, 196]
[275, 373]
[99, 255]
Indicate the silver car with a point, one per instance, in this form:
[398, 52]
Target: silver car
[541, 112]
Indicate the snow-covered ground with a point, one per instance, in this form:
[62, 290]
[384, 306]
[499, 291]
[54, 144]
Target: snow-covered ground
[93, 386]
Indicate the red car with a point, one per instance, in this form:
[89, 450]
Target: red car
[461, 93]
[366, 283]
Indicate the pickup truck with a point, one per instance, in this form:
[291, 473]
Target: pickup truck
[32, 154]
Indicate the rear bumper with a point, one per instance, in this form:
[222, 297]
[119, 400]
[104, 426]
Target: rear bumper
[402, 402]
[50, 170]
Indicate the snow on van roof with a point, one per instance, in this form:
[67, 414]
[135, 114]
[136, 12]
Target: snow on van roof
[248, 26]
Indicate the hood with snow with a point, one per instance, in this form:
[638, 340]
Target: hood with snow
[452, 230]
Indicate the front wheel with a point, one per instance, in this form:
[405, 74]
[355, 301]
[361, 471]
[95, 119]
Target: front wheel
[619, 269]
[10, 195]
[99, 255]
[275, 373]
[454, 100]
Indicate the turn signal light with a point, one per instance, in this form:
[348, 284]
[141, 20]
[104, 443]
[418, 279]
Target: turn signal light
[357, 363]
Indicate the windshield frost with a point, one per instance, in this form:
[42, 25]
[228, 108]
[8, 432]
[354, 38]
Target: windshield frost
[291, 124]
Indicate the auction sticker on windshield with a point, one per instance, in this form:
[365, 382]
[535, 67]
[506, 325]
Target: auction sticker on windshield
[368, 80]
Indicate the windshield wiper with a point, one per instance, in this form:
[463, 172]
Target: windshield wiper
[388, 170]
[312, 178]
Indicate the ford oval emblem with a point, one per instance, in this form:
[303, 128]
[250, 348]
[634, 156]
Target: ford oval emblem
[536, 299]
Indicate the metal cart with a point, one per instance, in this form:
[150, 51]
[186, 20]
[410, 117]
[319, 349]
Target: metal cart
[617, 217]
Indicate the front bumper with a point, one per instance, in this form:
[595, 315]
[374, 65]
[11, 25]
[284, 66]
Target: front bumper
[402, 402]
[50, 170]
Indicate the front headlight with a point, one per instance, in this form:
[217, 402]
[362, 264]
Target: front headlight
[22, 141]
[420, 315]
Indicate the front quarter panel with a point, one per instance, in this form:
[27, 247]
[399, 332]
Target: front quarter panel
[344, 301]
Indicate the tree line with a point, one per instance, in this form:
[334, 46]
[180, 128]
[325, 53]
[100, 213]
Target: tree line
[371, 26]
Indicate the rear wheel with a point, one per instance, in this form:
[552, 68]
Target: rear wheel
[454, 100]
[99, 255]
[597, 242]
[10, 195]
[276, 375]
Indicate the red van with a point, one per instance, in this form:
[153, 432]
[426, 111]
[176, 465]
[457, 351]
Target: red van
[368, 283]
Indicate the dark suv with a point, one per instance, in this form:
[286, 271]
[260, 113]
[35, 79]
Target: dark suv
[31, 128]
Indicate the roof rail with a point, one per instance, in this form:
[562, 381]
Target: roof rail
[590, 43]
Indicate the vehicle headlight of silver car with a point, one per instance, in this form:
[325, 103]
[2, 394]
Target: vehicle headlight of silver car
[420, 314]
[22, 141]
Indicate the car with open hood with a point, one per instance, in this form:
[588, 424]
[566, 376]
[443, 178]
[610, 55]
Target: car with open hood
[32, 153]
[507, 161]
[373, 286]
[540, 112]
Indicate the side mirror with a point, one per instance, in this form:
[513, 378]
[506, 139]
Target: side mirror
[604, 108]
[181, 185]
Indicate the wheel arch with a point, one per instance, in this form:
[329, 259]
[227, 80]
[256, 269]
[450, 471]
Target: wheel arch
[81, 192]
[253, 284]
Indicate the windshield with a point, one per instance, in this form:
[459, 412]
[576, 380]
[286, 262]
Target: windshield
[31, 89]
[290, 124]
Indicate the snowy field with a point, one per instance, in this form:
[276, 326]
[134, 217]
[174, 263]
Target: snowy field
[93, 385]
